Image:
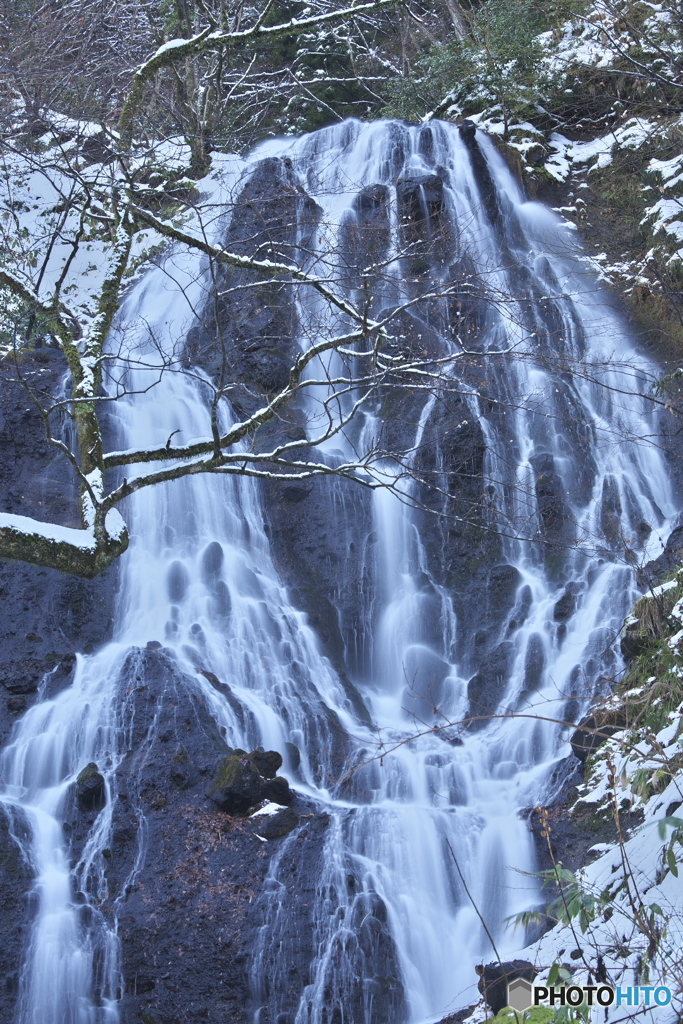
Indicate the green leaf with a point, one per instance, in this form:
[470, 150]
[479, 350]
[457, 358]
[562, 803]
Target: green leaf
[671, 860]
[668, 822]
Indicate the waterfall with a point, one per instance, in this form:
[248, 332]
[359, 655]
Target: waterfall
[539, 403]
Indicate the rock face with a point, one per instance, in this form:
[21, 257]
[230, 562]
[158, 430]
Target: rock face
[187, 911]
[15, 880]
[46, 617]
[250, 335]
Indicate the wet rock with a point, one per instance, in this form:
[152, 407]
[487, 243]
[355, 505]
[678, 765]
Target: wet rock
[91, 789]
[200, 870]
[486, 687]
[239, 785]
[278, 791]
[268, 762]
[468, 130]
[420, 206]
[278, 825]
[60, 677]
[670, 559]
[610, 511]
[550, 495]
[177, 581]
[597, 727]
[494, 978]
[250, 334]
[15, 882]
[212, 561]
[534, 664]
[634, 640]
[564, 607]
[46, 616]
[365, 236]
[503, 584]
[294, 755]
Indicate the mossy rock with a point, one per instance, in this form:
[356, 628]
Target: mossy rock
[276, 826]
[240, 784]
[91, 791]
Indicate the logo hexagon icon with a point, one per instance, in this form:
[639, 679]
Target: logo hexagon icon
[519, 994]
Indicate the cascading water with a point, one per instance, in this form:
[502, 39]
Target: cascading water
[428, 841]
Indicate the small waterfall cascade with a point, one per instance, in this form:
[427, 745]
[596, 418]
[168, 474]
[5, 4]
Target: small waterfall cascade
[491, 601]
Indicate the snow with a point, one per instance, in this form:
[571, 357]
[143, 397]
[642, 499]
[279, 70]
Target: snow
[566, 154]
[83, 539]
[269, 808]
[666, 215]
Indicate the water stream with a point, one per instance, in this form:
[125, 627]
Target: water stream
[424, 841]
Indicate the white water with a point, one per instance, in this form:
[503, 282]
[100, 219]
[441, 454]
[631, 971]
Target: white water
[199, 578]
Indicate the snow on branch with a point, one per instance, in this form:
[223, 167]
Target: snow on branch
[77, 552]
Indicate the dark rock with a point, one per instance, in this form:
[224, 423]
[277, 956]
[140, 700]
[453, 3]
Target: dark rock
[240, 785]
[177, 581]
[468, 130]
[635, 640]
[503, 583]
[420, 207]
[366, 962]
[564, 607]
[60, 677]
[90, 788]
[494, 978]
[365, 235]
[46, 616]
[275, 826]
[268, 762]
[669, 560]
[212, 561]
[250, 335]
[16, 705]
[486, 687]
[17, 911]
[198, 871]
[294, 755]
[593, 730]
[278, 791]
[459, 1016]
[550, 495]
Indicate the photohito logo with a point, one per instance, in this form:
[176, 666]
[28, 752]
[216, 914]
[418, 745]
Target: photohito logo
[522, 995]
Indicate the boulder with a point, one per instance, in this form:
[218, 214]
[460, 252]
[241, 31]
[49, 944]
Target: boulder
[91, 792]
[268, 762]
[275, 826]
[494, 978]
[468, 130]
[595, 729]
[459, 1016]
[240, 783]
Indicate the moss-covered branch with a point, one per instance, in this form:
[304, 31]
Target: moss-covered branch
[77, 552]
